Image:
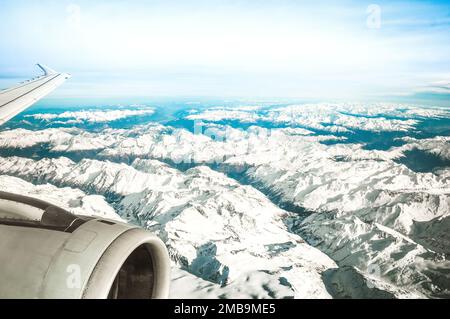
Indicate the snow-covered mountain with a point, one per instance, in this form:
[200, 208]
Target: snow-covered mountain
[214, 227]
[306, 210]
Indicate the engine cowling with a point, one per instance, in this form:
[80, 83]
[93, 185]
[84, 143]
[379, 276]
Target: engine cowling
[48, 252]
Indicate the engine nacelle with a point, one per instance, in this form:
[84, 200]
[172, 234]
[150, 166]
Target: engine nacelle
[47, 252]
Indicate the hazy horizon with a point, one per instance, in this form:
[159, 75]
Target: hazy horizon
[357, 51]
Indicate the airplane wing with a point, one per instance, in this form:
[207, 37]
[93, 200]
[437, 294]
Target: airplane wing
[18, 98]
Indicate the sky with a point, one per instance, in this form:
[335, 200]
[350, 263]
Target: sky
[238, 48]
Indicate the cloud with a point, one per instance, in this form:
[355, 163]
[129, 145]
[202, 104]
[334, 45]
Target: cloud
[192, 47]
[439, 87]
[91, 116]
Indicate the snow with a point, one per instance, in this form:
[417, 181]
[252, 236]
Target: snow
[368, 225]
[439, 146]
[91, 116]
[219, 115]
[214, 227]
[331, 117]
[71, 199]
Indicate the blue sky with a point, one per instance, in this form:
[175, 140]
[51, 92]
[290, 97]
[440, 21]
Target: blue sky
[324, 50]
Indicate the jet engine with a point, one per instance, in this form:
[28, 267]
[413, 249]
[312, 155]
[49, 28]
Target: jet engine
[48, 252]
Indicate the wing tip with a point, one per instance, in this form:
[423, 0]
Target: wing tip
[46, 69]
